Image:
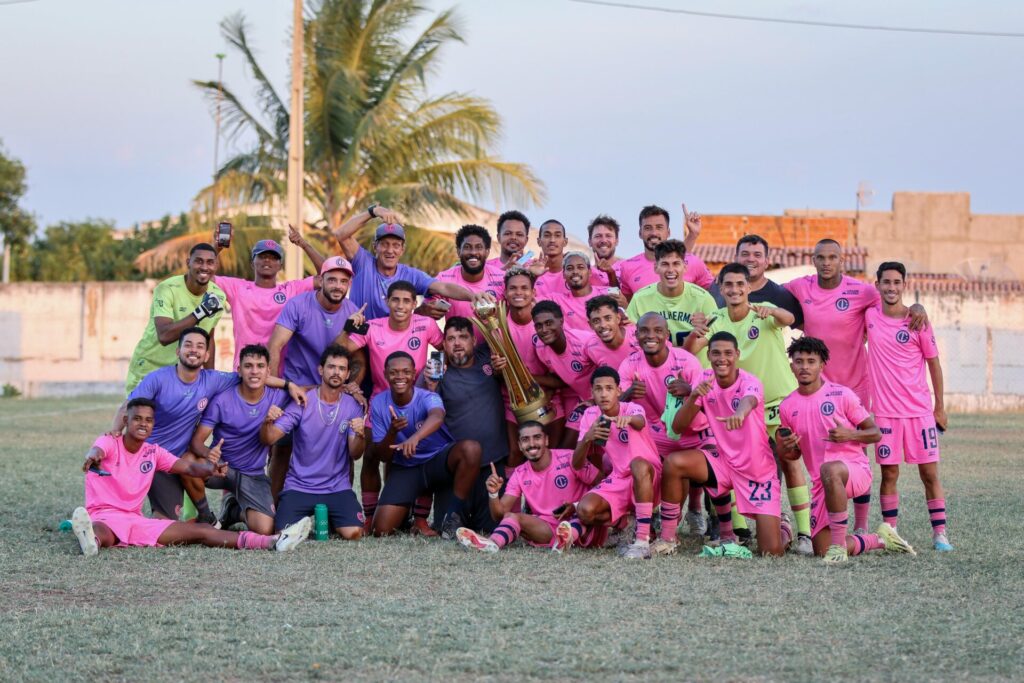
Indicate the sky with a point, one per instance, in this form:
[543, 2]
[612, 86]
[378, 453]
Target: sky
[612, 108]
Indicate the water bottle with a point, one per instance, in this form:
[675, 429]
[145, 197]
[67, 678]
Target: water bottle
[322, 527]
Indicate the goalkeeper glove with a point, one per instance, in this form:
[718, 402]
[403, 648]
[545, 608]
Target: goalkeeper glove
[207, 307]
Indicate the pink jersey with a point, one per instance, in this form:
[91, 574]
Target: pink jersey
[657, 381]
[548, 489]
[836, 316]
[812, 416]
[746, 449]
[897, 365]
[624, 445]
[254, 310]
[382, 341]
[637, 272]
[549, 285]
[493, 281]
[130, 475]
[574, 308]
[600, 354]
[573, 366]
[524, 338]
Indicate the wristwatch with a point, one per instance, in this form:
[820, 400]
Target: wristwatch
[370, 209]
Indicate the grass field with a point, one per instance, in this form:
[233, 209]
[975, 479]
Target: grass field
[408, 609]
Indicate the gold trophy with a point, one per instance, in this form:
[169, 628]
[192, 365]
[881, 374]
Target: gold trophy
[526, 397]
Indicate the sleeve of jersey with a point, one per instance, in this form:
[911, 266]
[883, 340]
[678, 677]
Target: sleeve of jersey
[289, 316]
[625, 374]
[163, 304]
[588, 473]
[211, 416]
[855, 410]
[434, 402]
[929, 347]
[702, 277]
[287, 422]
[164, 460]
[105, 443]
[229, 285]
[224, 380]
[756, 390]
[784, 419]
[435, 337]
[513, 487]
[420, 280]
[363, 259]
[872, 298]
[378, 420]
[633, 310]
[296, 287]
[146, 389]
[589, 416]
[359, 340]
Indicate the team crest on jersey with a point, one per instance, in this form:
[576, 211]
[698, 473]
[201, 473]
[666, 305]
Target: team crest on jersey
[842, 304]
[884, 451]
[623, 436]
[827, 408]
[669, 380]
[576, 414]
[280, 297]
[488, 370]
[735, 403]
[576, 366]
[492, 293]
[753, 333]
[419, 425]
[202, 403]
[536, 340]
[561, 481]
[415, 343]
[145, 466]
[903, 336]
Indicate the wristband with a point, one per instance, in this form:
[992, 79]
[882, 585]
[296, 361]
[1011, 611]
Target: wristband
[286, 385]
[492, 496]
[370, 209]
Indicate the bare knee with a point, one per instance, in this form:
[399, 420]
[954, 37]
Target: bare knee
[587, 511]
[890, 474]
[350, 533]
[832, 473]
[641, 469]
[468, 454]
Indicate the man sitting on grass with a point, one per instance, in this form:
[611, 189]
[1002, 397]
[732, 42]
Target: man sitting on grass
[118, 472]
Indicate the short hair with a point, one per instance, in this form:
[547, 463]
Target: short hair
[600, 302]
[335, 351]
[547, 306]
[193, 330]
[140, 402]
[667, 247]
[202, 246]
[468, 230]
[733, 268]
[258, 350]
[811, 345]
[652, 210]
[723, 336]
[891, 265]
[513, 216]
[402, 286]
[752, 239]
[460, 323]
[607, 221]
[827, 240]
[577, 254]
[530, 423]
[396, 355]
[516, 270]
[604, 371]
[556, 222]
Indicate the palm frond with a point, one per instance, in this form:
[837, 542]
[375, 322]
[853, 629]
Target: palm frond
[233, 28]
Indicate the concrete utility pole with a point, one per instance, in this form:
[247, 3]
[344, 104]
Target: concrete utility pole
[216, 136]
[296, 144]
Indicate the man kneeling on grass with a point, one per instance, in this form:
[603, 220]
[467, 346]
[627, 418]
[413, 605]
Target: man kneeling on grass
[118, 472]
[551, 487]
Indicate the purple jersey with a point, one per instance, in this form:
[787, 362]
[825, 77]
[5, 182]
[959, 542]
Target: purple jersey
[320, 460]
[238, 422]
[370, 287]
[179, 405]
[415, 411]
[313, 328]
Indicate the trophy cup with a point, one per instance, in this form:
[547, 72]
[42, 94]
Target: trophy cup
[526, 397]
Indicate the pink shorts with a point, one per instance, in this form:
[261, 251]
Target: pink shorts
[131, 528]
[913, 440]
[757, 493]
[618, 493]
[857, 484]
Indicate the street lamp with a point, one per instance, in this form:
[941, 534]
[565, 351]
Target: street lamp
[216, 136]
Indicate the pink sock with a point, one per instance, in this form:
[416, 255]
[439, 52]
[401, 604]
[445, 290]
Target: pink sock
[421, 509]
[247, 540]
[837, 522]
[787, 533]
[507, 531]
[937, 512]
[578, 530]
[694, 501]
[863, 543]
[370, 503]
[861, 508]
[723, 508]
[643, 521]
[890, 508]
[669, 520]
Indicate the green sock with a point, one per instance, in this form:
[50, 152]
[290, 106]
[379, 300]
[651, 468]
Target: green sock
[188, 510]
[738, 520]
[800, 498]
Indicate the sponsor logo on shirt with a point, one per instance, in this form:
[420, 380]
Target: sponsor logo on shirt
[885, 430]
[561, 481]
[753, 333]
[145, 466]
[842, 304]
[280, 297]
[903, 336]
[827, 408]
[415, 343]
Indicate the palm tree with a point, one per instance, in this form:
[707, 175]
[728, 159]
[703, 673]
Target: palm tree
[373, 134]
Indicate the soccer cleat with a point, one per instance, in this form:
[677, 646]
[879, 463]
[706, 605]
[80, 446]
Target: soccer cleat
[474, 541]
[450, 526]
[207, 518]
[697, 523]
[420, 527]
[81, 524]
[803, 546]
[836, 554]
[941, 543]
[563, 538]
[742, 536]
[736, 551]
[664, 546]
[293, 534]
[892, 540]
[620, 538]
[638, 550]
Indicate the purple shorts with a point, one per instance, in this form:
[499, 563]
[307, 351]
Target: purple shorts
[913, 440]
[857, 484]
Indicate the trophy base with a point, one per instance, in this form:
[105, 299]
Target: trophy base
[537, 410]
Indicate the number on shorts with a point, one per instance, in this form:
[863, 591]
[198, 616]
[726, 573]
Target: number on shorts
[760, 491]
[930, 438]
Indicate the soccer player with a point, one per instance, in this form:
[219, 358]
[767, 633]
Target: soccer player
[740, 460]
[572, 298]
[408, 432]
[513, 236]
[828, 425]
[375, 272]
[905, 413]
[615, 337]
[179, 302]
[234, 417]
[257, 303]
[474, 272]
[552, 240]
[640, 271]
[329, 435]
[758, 328]
[563, 352]
[683, 304]
[470, 388]
[118, 472]
[603, 238]
[615, 431]
[551, 487]
[752, 251]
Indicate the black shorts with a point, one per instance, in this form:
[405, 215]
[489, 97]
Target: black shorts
[249, 491]
[166, 495]
[343, 510]
[404, 484]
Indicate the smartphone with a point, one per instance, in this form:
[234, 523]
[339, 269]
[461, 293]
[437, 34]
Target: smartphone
[783, 432]
[224, 235]
[614, 291]
[435, 365]
[443, 304]
[524, 259]
[604, 422]
[560, 509]
[712, 320]
[96, 470]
